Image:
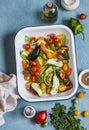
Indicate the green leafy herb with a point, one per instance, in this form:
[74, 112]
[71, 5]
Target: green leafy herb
[41, 78]
[24, 54]
[76, 26]
[51, 48]
[65, 53]
[63, 120]
[26, 39]
[64, 41]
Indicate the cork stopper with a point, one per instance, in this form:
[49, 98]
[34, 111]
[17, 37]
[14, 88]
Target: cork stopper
[49, 4]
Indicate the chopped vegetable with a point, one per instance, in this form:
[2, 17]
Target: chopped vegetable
[68, 73]
[54, 62]
[48, 90]
[43, 87]
[42, 46]
[25, 65]
[26, 46]
[24, 54]
[28, 84]
[76, 26]
[63, 88]
[65, 67]
[56, 83]
[61, 36]
[48, 75]
[35, 53]
[40, 38]
[50, 55]
[40, 61]
[30, 50]
[36, 87]
[27, 39]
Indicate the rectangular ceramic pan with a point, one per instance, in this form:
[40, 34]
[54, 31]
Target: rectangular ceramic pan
[38, 31]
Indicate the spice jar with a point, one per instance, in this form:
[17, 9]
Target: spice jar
[29, 112]
[50, 12]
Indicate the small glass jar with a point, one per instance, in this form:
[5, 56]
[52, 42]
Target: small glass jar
[50, 12]
[29, 112]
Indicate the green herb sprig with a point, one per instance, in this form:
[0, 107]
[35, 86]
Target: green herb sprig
[62, 119]
[76, 26]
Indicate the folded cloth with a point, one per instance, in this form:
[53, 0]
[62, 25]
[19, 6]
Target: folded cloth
[8, 94]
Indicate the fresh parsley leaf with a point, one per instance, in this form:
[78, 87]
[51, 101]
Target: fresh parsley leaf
[63, 120]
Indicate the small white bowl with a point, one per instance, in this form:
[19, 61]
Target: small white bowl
[80, 79]
[29, 112]
[70, 4]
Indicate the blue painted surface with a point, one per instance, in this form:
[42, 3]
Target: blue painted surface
[14, 15]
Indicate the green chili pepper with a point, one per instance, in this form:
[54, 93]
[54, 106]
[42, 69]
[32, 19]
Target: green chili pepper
[76, 26]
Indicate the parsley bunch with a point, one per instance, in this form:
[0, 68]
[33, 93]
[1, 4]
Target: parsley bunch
[62, 120]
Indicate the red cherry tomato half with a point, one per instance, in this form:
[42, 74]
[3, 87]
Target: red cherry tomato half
[33, 78]
[26, 46]
[62, 75]
[37, 73]
[82, 16]
[32, 91]
[35, 68]
[49, 40]
[60, 56]
[53, 36]
[41, 117]
[56, 40]
[34, 63]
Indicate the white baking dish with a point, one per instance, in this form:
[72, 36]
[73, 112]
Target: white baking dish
[38, 31]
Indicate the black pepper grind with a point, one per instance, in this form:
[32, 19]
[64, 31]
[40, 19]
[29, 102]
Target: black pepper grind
[50, 12]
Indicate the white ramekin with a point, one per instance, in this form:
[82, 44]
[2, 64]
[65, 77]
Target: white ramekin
[80, 77]
[70, 4]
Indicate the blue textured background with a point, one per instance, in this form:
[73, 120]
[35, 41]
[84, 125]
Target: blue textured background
[14, 15]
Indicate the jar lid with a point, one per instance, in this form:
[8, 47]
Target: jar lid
[49, 4]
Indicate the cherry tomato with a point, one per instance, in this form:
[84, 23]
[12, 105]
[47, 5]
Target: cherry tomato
[69, 86]
[34, 63]
[49, 40]
[53, 36]
[41, 117]
[25, 64]
[37, 73]
[82, 16]
[26, 72]
[65, 47]
[60, 56]
[56, 40]
[62, 75]
[33, 78]
[26, 46]
[35, 68]
[32, 91]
